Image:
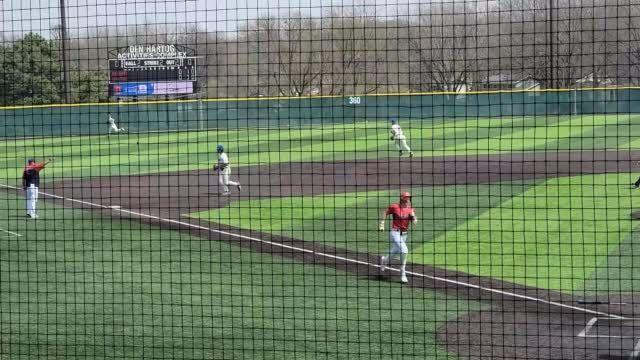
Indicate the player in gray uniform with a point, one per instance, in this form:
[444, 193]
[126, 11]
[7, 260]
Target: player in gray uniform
[399, 138]
[224, 171]
[114, 128]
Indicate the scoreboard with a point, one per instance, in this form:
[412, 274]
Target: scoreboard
[152, 70]
[179, 69]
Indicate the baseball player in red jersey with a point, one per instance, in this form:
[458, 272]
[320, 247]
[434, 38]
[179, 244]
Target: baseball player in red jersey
[402, 215]
[31, 183]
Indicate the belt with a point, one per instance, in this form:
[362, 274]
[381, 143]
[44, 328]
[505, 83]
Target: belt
[400, 231]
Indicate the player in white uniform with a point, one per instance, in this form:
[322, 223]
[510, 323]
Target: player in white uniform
[113, 127]
[224, 170]
[399, 138]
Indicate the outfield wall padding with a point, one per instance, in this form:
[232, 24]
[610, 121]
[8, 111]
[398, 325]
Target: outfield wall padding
[284, 113]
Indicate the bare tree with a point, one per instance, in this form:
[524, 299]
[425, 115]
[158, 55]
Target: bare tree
[289, 53]
[633, 53]
[350, 57]
[557, 66]
[441, 46]
[443, 67]
[56, 32]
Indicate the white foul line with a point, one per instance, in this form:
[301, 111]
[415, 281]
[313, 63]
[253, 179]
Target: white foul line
[240, 236]
[585, 331]
[10, 232]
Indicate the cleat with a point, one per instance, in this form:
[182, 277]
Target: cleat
[403, 278]
[226, 193]
[382, 262]
[34, 216]
[411, 154]
[400, 152]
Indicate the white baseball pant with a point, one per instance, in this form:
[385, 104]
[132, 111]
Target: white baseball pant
[401, 144]
[223, 178]
[32, 199]
[398, 242]
[114, 128]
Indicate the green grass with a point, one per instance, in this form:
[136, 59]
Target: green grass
[619, 272]
[350, 220]
[552, 234]
[80, 286]
[181, 151]
[76, 285]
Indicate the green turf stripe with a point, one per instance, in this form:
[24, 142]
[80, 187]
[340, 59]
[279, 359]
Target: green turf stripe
[534, 135]
[597, 132]
[330, 218]
[162, 152]
[551, 236]
[474, 130]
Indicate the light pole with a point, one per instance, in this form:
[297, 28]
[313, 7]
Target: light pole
[552, 59]
[63, 45]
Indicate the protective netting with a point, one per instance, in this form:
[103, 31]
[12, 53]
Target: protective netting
[319, 179]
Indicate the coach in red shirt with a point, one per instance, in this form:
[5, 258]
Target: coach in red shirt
[31, 183]
[402, 215]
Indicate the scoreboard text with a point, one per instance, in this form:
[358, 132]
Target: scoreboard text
[153, 64]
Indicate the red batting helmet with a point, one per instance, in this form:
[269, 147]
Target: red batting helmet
[405, 195]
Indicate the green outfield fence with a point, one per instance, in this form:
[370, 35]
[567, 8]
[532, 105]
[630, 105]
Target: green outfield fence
[91, 119]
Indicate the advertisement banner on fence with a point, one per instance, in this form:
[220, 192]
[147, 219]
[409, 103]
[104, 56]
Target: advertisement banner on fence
[151, 88]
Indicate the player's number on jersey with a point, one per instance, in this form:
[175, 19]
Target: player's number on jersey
[354, 100]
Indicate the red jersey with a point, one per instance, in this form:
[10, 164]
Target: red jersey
[31, 176]
[35, 166]
[401, 216]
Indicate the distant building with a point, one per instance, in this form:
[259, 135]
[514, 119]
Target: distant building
[528, 83]
[497, 82]
[507, 82]
[608, 87]
[593, 80]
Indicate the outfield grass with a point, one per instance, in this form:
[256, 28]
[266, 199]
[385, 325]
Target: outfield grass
[181, 151]
[350, 220]
[76, 285]
[554, 235]
[619, 272]
[557, 234]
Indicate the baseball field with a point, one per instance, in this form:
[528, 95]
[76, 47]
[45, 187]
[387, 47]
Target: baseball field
[522, 220]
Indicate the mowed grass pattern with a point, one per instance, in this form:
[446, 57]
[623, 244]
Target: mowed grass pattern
[350, 221]
[76, 285]
[79, 285]
[555, 234]
[84, 156]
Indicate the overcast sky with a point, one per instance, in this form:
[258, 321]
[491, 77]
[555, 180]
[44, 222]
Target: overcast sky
[20, 16]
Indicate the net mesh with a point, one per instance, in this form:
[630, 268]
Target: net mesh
[202, 180]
